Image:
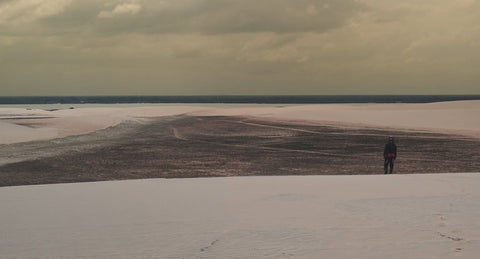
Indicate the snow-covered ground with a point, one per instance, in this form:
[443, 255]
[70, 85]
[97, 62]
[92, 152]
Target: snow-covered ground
[368, 216]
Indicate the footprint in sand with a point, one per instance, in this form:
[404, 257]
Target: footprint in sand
[451, 237]
[443, 221]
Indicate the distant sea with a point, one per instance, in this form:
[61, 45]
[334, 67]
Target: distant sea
[236, 99]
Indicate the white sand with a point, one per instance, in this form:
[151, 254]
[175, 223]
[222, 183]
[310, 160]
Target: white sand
[461, 117]
[74, 122]
[374, 216]
[448, 117]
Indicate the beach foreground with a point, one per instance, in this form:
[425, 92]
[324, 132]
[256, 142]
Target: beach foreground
[368, 216]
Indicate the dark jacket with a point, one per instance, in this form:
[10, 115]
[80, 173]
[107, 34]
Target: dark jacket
[390, 150]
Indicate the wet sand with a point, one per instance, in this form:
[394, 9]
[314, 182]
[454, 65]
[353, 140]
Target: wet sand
[211, 146]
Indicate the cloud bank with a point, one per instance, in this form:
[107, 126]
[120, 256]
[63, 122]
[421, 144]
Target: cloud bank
[121, 9]
[239, 47]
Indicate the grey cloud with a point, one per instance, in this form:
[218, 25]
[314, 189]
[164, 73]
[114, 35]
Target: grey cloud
[232, 16]
[242, 46]
[199, 16]
[75, 16]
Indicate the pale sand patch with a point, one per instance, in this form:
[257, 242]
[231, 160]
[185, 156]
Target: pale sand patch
[375, 216]
[21, 125]
[459, 117]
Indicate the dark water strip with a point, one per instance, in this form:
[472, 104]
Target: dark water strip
[244, 99]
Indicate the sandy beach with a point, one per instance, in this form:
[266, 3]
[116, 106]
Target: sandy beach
[314, 187]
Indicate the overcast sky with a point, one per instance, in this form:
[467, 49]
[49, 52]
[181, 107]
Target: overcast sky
[191, 47]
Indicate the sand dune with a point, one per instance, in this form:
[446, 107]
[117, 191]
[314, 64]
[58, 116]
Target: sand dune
[20, 125]
[377, 216]
[447, 117]
[460, 117]
[367, 216]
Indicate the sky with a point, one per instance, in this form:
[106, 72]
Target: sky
[239, 47]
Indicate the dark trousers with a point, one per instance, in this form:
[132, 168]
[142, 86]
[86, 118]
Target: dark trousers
[389, 161]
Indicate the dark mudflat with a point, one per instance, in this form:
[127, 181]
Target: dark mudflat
[186, 146]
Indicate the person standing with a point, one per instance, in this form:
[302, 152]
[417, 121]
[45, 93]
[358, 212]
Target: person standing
[390, 154]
